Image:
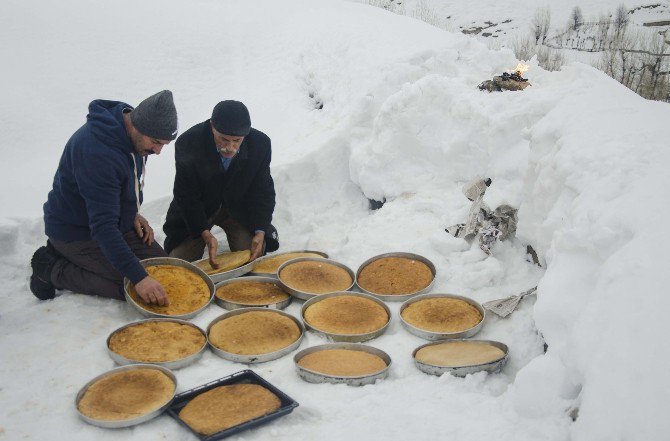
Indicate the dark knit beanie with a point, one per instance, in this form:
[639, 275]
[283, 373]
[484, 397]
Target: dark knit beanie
[156, 116]
[231, 118]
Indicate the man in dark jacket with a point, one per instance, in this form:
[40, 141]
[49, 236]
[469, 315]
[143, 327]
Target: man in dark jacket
[96, 234]
[222, 178]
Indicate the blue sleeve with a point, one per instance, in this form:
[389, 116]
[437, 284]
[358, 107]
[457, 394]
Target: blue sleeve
[100, 180]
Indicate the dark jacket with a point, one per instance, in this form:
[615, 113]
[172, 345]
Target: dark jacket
[201, 185]
[93, 194]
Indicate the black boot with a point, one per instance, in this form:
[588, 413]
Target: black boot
[42, 262]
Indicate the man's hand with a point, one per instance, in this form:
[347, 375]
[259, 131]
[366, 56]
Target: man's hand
[212, 246]
[257, 243]
[151, 291]
[143, 229]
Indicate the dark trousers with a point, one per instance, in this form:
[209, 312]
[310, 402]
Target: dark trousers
[84, 269]
[239, 238]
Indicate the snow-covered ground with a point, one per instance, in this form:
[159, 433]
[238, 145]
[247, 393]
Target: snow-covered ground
[584, 158]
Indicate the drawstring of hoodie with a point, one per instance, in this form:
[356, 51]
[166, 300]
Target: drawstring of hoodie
[139, 184]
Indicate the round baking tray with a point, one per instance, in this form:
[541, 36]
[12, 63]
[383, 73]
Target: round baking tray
[230, 274]
[348, 338]
[430, 335]
[252, 273]
[303, 295]
[133, 421]
[176, 262]
[462, 371]
[175, 364]
[316, 377]
[259, 358]
[227, 304]
[399, 297]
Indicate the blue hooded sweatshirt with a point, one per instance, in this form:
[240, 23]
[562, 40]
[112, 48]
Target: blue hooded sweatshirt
[93, 194]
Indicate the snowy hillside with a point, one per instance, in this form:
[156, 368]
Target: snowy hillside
[584, 159]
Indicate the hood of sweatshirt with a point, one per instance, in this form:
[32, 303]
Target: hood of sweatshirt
[106, 121]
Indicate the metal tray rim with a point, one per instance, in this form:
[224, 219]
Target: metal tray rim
[230, 305]
[346, 338]
[351, 346]
[132, 421]
[274, 275]
[399, 297]
[174, 364]
[431, 335]
[433, 369]
[303, 295]
[177, 262]
[255, 358]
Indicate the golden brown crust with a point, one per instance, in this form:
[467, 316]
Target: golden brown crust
[459, 353]
[343, 362]
[227, 406]
[270, 265]
[251, 293]
[442, 314]
[227, 261]
[346, 314]
[126, 395]
[316, 277]
[254, 333]
[395, 276]
[186, 290]
[157, 341]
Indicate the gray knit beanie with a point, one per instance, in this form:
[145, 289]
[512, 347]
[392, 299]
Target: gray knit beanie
[231, 118]
[156, 116]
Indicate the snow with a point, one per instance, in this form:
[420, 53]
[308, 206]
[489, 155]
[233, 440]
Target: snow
[582, 157]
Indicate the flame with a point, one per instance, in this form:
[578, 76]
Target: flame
[521, 69]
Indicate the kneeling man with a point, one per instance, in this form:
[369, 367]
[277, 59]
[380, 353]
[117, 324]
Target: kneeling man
[222, 178]
[96, 234]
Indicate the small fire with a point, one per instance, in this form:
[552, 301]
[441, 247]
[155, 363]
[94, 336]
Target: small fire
[521, 69]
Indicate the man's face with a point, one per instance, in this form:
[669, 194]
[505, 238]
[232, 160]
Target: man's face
[146, 145]
[227, 145]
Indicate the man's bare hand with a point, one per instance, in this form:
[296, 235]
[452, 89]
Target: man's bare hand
[152, 292]
[143, 229]
[257, 243]
[212, 246]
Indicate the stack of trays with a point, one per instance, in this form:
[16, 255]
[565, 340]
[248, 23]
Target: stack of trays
[163, 311]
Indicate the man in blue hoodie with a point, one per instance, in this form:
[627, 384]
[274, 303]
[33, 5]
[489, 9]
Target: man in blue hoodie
[91, 217]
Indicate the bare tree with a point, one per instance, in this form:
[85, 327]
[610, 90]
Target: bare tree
[540, 24]
[620, 19]
[576, 18]
[602, 37]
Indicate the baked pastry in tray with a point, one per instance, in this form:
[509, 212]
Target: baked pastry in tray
[442, 314]
[227, 406]
[271, 264]
[227, 261]
[342, 362]
[254, 333]
[459, 353]
[395, 276]
[346, 314]
[186, 290]
[316, 277]
[127, 395]
[251, 293]
[157, 341]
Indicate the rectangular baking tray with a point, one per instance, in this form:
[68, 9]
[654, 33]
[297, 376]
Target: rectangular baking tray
[246, 376]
